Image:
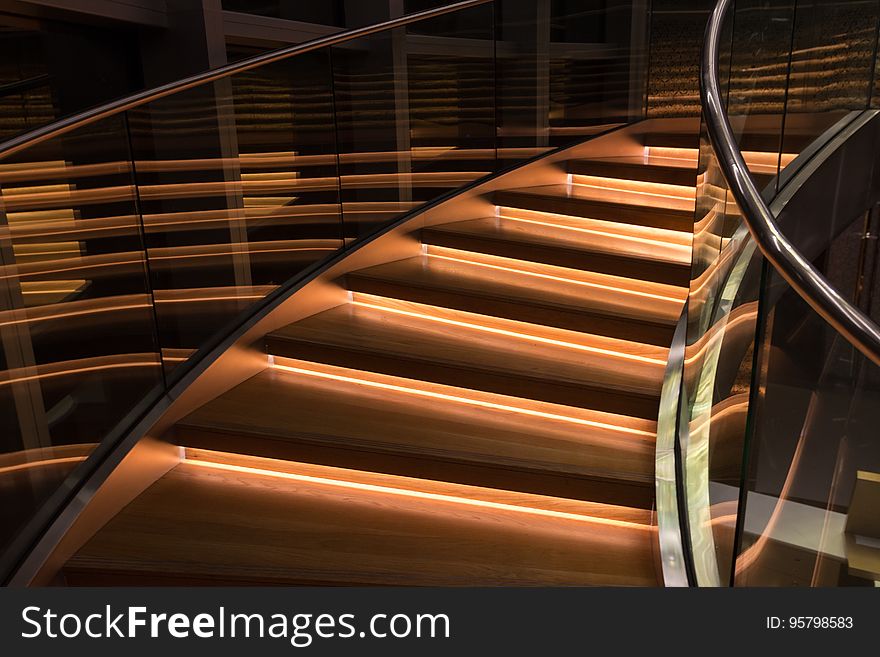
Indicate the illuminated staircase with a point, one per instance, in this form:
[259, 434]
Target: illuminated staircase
[482, 413]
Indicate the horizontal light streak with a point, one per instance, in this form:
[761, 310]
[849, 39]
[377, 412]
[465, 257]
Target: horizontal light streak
[85, 262]
[504, 213]
[441, 396]
[39, 464]
[507, 333]
[433, 253]
[641, 188]
[688, 155]
[79, 369]
[200, 295]
[415, 494]
[755, 160]
[58, 311]
[18, 199]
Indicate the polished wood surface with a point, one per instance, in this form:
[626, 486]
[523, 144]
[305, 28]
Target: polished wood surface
[248, 528]
[566, 242]
[483, 412]
[454, 348]
[646, 169]
[279, 410]
[565, 199]
[509, 295]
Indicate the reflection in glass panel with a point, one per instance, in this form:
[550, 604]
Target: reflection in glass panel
[831, 66]
[76, 323]
[806, 521]
[673, 77]
[415, 115]
[758, 83]
[237, 183]
[716, 271]
[566, 70]
[597, 66]
[451, 96]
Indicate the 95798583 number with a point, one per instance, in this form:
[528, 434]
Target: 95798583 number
[809, 623]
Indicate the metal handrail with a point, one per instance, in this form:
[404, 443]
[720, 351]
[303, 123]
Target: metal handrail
[87, 117]
[858, 329]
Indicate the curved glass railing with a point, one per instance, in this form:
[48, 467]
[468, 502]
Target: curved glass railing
[771, 421]
[135, 236]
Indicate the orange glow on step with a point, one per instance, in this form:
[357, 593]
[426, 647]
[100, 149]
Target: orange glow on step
[642, 188]
[507, 333]
[688, 155]
[510, 214]
[434, 391]
[757, 161]
[478, 261]
[418, 494]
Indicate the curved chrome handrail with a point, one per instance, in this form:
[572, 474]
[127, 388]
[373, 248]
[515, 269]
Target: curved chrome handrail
[87, 117]
[858, 329]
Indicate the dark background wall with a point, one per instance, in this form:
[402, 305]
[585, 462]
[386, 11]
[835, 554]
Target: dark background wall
[677, 28]
[55, 62]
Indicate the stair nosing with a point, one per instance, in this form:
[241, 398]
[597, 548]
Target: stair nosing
[628, 207]
[625, 393]
[652, 172]
[476, 295]
[506, 464]
[448, 229]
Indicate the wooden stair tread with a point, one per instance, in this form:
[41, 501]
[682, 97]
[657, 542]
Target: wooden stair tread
[511, 295]
[469, 350]
[345, 423]
[569, 242]
[250, 528]
[646, 169]
[568, 199]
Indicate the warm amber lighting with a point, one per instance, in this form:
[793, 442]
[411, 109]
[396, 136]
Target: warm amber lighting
[74, 264]
[750, 556]
[659, 237]
[683, 155]
[746, 313]
[529, 337]
[757, 161]
[437, 392]
[65, 199]
[634, 191]
[665, 190]
[481, 260]
[424, 178]
[245, 248]
[412, 493]
[52, 287]
[82, 366]
[195, 295]
[176, 355]
[39, 464]
[71, 309]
